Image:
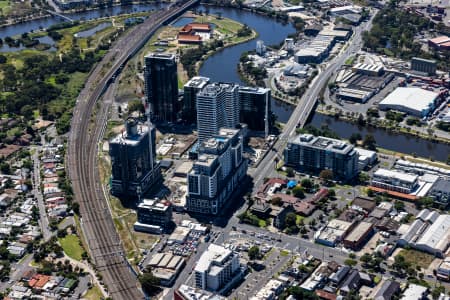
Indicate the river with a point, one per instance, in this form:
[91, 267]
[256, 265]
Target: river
[222, 66]
[28, 26]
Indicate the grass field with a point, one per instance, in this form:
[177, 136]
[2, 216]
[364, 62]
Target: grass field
[5, 7]
[417, 258]
[71, 246]
[93, 294]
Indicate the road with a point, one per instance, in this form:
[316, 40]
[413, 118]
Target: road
[307, 103]
[43, 218]
[266, 167]
[87, 129]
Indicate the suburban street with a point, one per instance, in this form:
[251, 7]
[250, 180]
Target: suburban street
[43, 219]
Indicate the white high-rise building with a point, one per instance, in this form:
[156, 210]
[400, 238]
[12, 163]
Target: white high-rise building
[217, 107]
[216, 268]
[217, 173]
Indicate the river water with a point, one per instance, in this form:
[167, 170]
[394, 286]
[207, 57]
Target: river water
[222, 66]
[18, 29]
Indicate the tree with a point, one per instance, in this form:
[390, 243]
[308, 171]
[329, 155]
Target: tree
[331, 193]
[27, 112]
[244, 31]
[437, 292]
[76, 208]
[277, 201]
[350, 262]
[253, 252]
[366, 258]
[399, 205]
[307, 184]
[136, 105]
[363, 177]
[291, 219]
[369, 142]
[5, 168]
[355, 137]
[426, 202]
[361, 121]
[400, 264]
[150, 283]
[290, 172]
[298, 192]
[326, 175]
[301, 294]
[3, 59]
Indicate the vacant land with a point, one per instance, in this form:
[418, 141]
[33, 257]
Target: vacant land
[71, 246]
[93, 294]
[417, 258]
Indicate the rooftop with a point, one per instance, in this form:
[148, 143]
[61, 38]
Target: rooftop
[436, 236]
[154, 204]
[440, 39]
[191, 293]
[411, 97]
[168, 56]
[125, 138]
[395, 175]
[359, 231]
[442, 185]
[215, 253]
[323, 143]
[253, 90]
[197, 82]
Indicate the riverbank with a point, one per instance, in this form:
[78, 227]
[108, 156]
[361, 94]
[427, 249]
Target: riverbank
[199, 64]
[45, 15]
[394, 130]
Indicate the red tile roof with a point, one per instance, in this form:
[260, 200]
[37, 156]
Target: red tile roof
[393, 193]
[440, 39]
[325, 295]
[189, 38]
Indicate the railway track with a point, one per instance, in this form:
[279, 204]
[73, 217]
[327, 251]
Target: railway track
[89, 119]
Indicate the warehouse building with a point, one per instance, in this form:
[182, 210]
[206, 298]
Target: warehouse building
[337, 35]
[427, 66]
[436, 239]
[411, 100]
[368, 69]
[333, 233]
[440, 43]
[358, 236]
[395, 181]
[430, 232]
[166, 267]
[440, 191]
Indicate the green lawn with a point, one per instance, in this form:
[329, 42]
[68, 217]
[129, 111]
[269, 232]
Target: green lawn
[349, 61]
[71, 246]
[284, 252]
[5, 7]
[262, 223]
[93, 294]
[417, 258]
[298, 219]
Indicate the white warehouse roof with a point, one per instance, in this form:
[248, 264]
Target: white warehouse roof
[385, 173]
[412, 98]
[436, 237]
